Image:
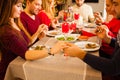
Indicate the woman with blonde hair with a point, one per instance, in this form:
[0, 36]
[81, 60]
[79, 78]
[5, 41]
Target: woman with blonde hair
[48, 13]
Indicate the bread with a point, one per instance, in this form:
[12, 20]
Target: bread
[90, 45]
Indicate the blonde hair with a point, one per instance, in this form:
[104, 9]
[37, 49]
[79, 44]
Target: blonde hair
[46, 6]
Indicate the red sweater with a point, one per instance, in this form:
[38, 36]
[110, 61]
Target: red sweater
[114, 26]
[30, 24]
[44, 18]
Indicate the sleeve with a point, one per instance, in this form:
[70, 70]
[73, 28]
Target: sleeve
[108, 66]
[15, 44]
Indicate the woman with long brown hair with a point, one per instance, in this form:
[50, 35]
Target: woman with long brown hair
[13, 41]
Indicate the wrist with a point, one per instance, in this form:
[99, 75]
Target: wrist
[49, 52]
[82, 55]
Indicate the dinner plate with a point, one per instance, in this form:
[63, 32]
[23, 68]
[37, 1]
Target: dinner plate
[53, 33]
[68, 38]
[82, 44]
[90, 25]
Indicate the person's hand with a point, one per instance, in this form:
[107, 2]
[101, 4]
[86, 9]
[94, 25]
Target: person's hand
[61, 13]
[102, 32]
[54, 22]
[57, 47]
[42, 34]
[74, 51]
[42, 28]
[98, 17]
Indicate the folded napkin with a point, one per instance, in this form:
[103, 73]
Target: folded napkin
[85, 33]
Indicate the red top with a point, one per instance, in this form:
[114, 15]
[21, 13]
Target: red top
[114, 26]
[13, 43]
[30, 24]
[44, 18]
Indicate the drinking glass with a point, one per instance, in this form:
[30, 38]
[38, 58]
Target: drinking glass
[72, 27]
[65, 15]
[65, 27]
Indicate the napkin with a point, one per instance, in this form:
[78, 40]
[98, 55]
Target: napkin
[85, 33]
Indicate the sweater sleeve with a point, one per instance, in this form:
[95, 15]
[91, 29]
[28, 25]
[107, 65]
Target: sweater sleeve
[108, 66]
[15, 44]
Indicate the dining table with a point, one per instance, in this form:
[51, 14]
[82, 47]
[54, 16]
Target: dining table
[57, 67]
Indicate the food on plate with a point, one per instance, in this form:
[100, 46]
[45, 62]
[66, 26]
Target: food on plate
[83, 37]
[70, 38]
[39, 47]
[61, 38]
[90, 45]
[53, 33]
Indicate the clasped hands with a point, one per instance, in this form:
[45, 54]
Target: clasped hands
[68, 48]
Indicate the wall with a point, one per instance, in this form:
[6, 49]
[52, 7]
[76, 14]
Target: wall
[100, 6]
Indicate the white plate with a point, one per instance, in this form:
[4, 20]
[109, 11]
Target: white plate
[53, 33]
[82, 45]
[71, 37]
[90, 25]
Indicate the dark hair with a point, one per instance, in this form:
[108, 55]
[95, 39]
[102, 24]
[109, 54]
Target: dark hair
[5, 10]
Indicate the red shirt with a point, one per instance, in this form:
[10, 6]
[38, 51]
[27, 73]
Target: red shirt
[30, 24]
[13, 43]
[114, 26]
[44, 18]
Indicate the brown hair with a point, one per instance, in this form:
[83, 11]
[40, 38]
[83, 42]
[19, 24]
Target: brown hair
[5, 10]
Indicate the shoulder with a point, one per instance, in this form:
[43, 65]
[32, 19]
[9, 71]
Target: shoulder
[42, 12]
[7, 33]
[74, 6]
[22, 14]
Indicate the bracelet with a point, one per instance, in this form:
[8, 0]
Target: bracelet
[49, 52]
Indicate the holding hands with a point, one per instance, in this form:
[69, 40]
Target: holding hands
[68, 48]
[74, 51]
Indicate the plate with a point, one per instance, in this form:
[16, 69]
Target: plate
[83, 38]
[53, 33]
[90, 25]
[68, 38]
[83, 44]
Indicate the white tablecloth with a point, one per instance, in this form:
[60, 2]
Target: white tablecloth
[58, 67]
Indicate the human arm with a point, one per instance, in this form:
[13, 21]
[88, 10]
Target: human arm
[108, 66]
[15, 44]
[36, 35]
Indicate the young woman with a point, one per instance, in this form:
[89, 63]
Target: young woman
[47, 14]
[13, 41]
